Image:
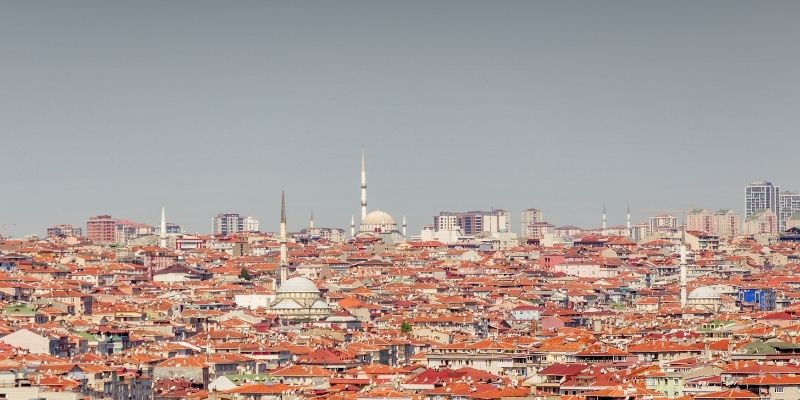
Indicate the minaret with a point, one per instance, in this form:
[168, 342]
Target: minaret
[352, 226]
[683, 269]
[363, 188]
[311, 222]
[283, 261]
[163, 234]
[628, 219]
[404, 225]
[605, 224]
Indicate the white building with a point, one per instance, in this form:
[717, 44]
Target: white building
[586, 270]
[474, 222]
[663, 223]
[789, 204]
[446, 236]
[253, 301]
[30, 341]
[250, 224]
[761, 196]
[527, 218]
[230, 223]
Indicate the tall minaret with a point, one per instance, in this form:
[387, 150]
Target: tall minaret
[363, 188]
[683, 269]
[404, 225]
[283, 261]
[311, 222]
[628, 219]
[352, 226]
[163, 234]
[605, 224]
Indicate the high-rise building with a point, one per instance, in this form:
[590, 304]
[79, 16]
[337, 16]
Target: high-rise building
[663, 222]
[527, 219]
[639, 231]
[250, 224]
[701, 220]
[474, 222]
[64, 230]
[230, 223]
[101, 229]
[788, 203]
[726, 223]
[761, 196]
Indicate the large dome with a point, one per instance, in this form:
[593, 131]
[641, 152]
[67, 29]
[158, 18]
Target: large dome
[378, 218]
[298, 284]
[704, 292]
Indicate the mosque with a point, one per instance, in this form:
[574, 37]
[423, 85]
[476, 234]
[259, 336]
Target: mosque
[297, 299]
[705, 297]
[376, 225]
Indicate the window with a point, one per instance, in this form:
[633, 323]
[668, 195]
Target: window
[778, 389]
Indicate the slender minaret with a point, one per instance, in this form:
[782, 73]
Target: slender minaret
[605, 223]
[363, 188]
[404, 225]
[683, 269]
[283, 261]
[352, 226]
[311, 222]
[628, 219]
[163, 234]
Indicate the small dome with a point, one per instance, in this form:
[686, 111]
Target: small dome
[298, 284]
[378, 218]
[704, 292]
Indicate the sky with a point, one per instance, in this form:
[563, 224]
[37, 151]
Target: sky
[216, 106]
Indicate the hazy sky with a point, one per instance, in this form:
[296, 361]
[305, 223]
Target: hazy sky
[117, 107]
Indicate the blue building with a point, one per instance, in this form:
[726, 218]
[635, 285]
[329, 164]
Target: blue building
[759, 298]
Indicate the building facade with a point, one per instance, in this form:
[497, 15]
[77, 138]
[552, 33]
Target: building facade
[474, 222]
[762, 222]
[230, 223]
[527, 218]
[64, 230]
[101, 229]
[663, 223]
[726, 223]
[761, 196]
[700, 220]
[125, 231]
[789, 204]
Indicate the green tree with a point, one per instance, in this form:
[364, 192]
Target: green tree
[405, 327]
[245, 275]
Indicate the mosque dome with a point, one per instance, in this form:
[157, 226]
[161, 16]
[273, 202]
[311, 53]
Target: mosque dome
[704, 292]
[378, 218]
[298, 284]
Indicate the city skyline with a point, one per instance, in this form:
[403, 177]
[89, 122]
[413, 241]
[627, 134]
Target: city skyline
[515, 215]
[679, 215]
[118, 109]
